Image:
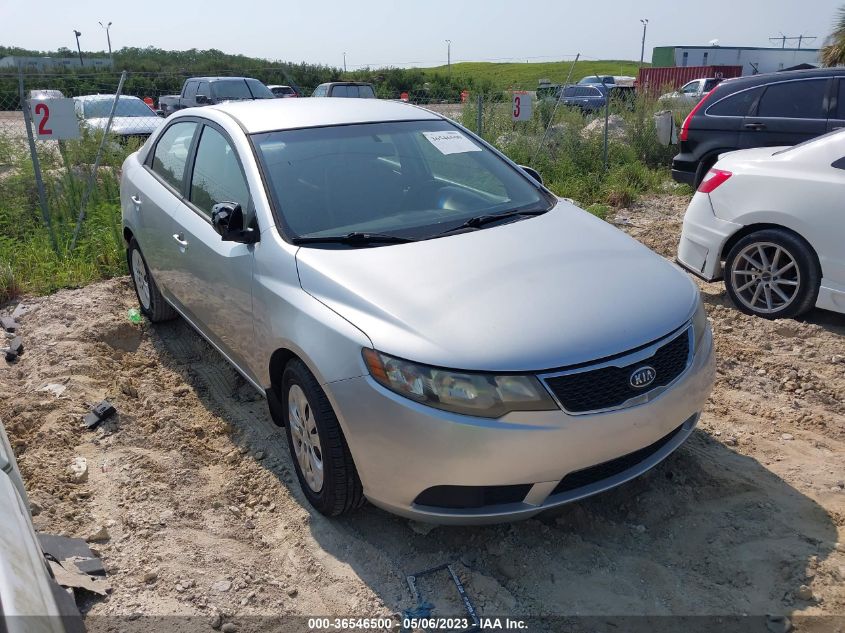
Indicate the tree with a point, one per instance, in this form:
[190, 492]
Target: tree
[833, 52]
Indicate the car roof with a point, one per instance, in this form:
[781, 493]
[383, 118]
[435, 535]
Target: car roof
[266, 115]
[219, 78]
[346, 83]
[102, 97]
[783, 75]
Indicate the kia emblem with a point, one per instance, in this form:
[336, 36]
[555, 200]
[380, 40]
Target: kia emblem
[642, 377]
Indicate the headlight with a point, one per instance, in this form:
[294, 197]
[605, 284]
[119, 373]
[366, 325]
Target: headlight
[483, 395]
[699, 324]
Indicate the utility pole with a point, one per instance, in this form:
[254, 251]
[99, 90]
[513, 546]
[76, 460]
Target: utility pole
[642, 50]
[78, 33]
[344, 61]
[449, 56]
[108, 37]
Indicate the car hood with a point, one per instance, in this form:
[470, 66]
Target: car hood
[545, 292]
[127, 124]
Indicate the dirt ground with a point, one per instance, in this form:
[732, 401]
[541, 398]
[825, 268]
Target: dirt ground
[196, 490]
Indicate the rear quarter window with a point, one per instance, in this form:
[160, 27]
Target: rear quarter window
[794, 100]
[737, 104]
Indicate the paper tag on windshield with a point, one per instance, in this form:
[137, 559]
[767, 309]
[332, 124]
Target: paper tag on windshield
[451, 142]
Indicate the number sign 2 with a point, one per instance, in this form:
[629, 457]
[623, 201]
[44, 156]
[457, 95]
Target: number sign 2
[54, 119]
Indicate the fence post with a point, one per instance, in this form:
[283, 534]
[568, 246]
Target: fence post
[92, 179]
[479, 116]
[36, 165]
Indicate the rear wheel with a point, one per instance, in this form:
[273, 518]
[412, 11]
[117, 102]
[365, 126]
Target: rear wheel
[153, 305]
[320, 454]
[772, 274]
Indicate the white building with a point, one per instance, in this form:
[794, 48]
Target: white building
[51, 63]
[754, 60]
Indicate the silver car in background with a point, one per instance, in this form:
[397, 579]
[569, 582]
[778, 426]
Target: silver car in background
[437, 332]
[132, 117]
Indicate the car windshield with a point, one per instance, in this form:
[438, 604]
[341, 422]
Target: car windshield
[126, 106]
[237, 89]
[411, 179]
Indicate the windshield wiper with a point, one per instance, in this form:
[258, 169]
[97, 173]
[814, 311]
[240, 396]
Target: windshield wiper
[480, 220]
[354, 238]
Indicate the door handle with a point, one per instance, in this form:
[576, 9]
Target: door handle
[755, 126]
[180, 240]
[136, 200]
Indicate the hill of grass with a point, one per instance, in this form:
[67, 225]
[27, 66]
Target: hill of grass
[526, 75]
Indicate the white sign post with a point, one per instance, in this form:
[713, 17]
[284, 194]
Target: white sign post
[522, 106]
[54, 119]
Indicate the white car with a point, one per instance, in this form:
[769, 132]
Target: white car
[690, 93]
[132, 117]
[770, 221]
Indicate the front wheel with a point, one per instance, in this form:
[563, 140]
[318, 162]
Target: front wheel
[322, 460]
[773, 274]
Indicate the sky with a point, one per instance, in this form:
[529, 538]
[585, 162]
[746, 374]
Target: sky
[383, 33]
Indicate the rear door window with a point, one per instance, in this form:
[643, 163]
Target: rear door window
[794, 100]
[735, 105]
[841, 99]
[340, 91]
[171, 153]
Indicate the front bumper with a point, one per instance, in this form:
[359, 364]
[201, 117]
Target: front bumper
[402, 448]
[703, 238]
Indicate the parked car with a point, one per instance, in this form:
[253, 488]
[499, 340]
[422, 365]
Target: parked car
[340, 258]
[769, 222]
[132, 117]
[45, 94]
[202, 91]
[773, 109]
[352, 89]
[587, 98]
[690, 93]
[608, 80]
[31, 599]
[283, 92]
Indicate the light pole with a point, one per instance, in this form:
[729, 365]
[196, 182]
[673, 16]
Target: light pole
[449, 56]
[108, 37]
[78, 33]
[642, 50]
[344, 62]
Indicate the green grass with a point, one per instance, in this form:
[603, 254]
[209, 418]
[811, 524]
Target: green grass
[507, 75]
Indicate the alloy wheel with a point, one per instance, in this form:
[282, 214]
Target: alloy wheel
[765, 277]
[306, 438]
[139, 274]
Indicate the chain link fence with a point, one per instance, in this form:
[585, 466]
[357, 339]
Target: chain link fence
[62, 196]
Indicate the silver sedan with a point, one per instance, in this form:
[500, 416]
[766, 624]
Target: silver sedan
[437, 332]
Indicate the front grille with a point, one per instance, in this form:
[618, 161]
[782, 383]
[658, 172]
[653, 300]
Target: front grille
[609, 387]
[471, 496]
[606, 470]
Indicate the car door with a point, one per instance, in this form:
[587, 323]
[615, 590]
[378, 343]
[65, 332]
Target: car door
[153, 197]
[837, 113]
[787, 113]
[213, 285]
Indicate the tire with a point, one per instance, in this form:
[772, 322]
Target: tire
[772, 274]
[152, 304]
[321, 457]
[703, 167]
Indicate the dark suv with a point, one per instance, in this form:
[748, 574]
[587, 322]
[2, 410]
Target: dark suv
[784, 108]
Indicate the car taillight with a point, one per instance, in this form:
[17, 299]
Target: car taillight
[713, 179]
[685, 125]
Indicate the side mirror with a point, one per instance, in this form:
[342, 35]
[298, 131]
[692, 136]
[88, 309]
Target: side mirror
[227, 218]
[533, 173]
[160, 113]
[202, 99]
